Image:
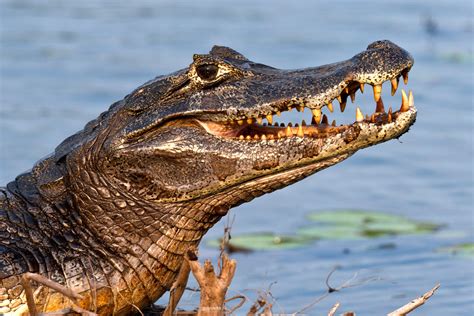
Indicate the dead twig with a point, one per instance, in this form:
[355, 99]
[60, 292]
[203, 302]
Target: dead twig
[347, 284]
[333, 310]
[213, 287]
[414, 304]
[242, 298]
[177, 289]
[30, 299]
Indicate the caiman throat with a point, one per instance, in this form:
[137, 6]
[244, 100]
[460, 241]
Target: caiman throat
[111, 212]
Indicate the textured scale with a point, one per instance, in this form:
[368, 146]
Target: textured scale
[111, 212]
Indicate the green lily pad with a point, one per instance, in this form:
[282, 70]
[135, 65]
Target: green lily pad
[465, 250]
[262, 241]
[354, 224]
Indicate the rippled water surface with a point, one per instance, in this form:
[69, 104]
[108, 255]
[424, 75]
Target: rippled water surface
[64, 62]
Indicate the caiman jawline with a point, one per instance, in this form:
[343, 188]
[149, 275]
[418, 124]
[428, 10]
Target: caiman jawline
[254, 129]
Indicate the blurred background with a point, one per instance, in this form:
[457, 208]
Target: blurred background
[64, 62]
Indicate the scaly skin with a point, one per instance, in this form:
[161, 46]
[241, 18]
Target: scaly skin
[112, 211]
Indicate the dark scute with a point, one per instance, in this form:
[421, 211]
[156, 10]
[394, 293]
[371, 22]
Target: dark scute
[226, 53]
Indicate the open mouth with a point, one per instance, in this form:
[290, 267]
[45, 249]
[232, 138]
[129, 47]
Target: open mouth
[263, 127]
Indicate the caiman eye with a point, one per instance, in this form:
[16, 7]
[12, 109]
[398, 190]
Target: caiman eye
[207, 71]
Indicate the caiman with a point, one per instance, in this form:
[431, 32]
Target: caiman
[111, 212]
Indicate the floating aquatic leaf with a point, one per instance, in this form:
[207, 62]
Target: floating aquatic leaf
[352, 224]
[263, 241]
[465, 249]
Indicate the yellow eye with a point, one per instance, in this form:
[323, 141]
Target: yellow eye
[207, 72]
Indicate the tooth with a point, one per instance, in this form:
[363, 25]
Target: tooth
[325, 119]
[264, 137]
[241, 137]
[361, 86]
[240, 122]
[342, 105]
[377, 92]
[270, 136]
[250, 120]
[248, 137]
[331, 109]
[303, 123]
[404, 107]
[269, 118]
[289, 133]
[359, 115]
[339, 98]
[289, 108]
[317, 115]
[405, 77]
[379, 108]
[372, 118]
[333, 123]
[394, 83]
[411, 100]
[300, 132]
[346, 90]
[259, 120]
[353, 97]
[389, 117]
[301, 109]
[256, 137]
[278, 113]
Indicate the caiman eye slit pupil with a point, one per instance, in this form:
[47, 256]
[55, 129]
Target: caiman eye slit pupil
[207, 71]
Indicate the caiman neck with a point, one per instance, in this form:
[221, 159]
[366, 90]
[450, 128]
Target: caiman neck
[146, 235]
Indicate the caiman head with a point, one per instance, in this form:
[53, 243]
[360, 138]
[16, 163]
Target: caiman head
[203, 137]
[199, 132]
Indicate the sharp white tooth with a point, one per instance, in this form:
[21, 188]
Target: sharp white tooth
[240, 122]
[405, 77]
[394, 83]
[256, 137]
[346, 90]
[359, 115]
[289, 133]
[372, 118]
[411, 100]
[377, 92]
[249, 120]
[353, 97]
[317, 115]
[241, 137]
[248, 137]
[301, 109]
[300, 132]
[380, 108]
[259, 120]
[339, 99]
[361, 86]
[331, 109]
[389, 116]
[404, 107]
[264, 137]
[333, 123]
[325, 119]
[342, 106]
[269, 118]
[278, 113]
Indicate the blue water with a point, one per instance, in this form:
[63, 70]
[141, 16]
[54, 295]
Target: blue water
[64, 62]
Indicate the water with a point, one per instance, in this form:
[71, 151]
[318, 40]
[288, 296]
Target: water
[62, 63]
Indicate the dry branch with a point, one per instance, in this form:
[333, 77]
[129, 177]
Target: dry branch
[213, 287]
[177, 288]
[407, 308]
